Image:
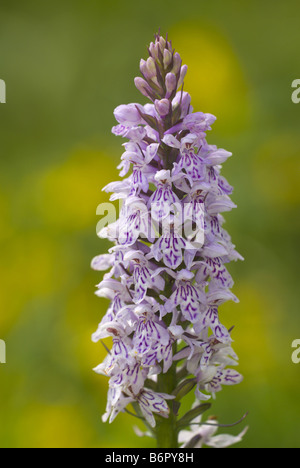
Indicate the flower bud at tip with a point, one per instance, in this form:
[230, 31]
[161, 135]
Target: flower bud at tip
[151, 67]
[176, 63]
[183, 73]
[167, 58]
[171, 83]
[162, 107]
[143, 87]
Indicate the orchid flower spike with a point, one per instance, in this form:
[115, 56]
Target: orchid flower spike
[168, 274]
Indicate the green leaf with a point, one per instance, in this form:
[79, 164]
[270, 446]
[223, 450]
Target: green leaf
[175, 405]
[184, 388]
[193, 442]
[192, 414]
[151, 121]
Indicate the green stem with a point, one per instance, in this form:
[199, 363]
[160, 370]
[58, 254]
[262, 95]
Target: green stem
[166, 430]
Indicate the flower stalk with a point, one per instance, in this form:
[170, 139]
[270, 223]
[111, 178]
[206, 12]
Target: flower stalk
[167, 275]
[166, 428]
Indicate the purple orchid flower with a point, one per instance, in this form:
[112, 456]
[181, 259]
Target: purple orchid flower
[167, 275]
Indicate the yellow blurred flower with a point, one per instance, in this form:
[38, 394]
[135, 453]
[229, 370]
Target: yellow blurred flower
[277, 169]
[215, 78]
[71, 192]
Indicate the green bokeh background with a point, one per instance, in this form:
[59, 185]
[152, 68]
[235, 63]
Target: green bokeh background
[67, 65]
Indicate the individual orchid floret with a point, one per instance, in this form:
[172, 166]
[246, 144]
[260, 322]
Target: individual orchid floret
[171, 246]
[162, 201]
[128, 115]
[198, 122]
[204, 434]
[102, 262]
[168, 275]
[143, 277]
[151, 336]
[212, 378]
[154, 403]
[189, 162]
[142, 172]
[134, 222]
[188, 297]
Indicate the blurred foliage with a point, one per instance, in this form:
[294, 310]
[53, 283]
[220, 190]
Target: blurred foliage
[67, 65]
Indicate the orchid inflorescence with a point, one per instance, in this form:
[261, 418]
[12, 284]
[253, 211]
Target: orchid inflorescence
[167, 266]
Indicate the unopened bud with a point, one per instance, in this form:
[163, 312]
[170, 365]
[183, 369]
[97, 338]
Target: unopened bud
[167, 58]
[162, 107]
[151, 67]
[171, 84]
[176, 63]
[183, 72]
[158, 51]
[184, 101]
[152, 49]
[143, 87]
[143, 67]
[147, 69]
[162, 43]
